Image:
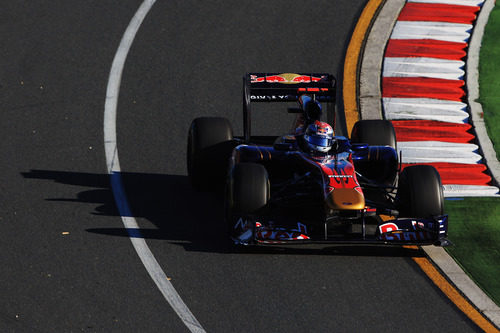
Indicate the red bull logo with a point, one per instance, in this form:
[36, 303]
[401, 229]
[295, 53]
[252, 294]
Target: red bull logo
[322, 131]
[285, 78]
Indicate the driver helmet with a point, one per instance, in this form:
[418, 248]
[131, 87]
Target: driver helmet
[319, 137]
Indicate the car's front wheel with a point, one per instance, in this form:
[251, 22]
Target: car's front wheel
[247, 192]
[420, 193]
[249, 188]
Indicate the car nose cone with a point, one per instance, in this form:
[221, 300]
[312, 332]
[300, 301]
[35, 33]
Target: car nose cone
[345, 199]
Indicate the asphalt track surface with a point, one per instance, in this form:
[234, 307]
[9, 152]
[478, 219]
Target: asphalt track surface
[68, 264]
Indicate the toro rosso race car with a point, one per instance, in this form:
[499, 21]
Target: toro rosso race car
[309, 185]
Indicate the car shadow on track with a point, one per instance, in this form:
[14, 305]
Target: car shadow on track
[181, 215]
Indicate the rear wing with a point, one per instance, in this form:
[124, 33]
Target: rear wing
[286, 87]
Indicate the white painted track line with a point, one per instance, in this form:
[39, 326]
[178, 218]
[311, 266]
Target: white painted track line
[113, 168]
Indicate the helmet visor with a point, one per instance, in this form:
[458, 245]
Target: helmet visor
[319, 140]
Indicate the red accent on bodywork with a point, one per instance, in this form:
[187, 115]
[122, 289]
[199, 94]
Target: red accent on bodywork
[339, 175]
[341, 168]
[388, 227]
[306, 79]
[275, 78]
[285, 78]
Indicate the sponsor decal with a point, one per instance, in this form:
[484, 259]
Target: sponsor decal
[245, 224]
[408, 230]
[340, 174]
[407, 236]
[269, 97]
[269, 232]
[322, 131]
[305, 90]
[387, 227]
[285, 78]
[242, 224]
[282, 234]
[418, 225]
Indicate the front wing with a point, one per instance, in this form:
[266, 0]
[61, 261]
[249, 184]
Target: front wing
[406, 231]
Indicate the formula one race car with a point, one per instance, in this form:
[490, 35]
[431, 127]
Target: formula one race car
[310, 186]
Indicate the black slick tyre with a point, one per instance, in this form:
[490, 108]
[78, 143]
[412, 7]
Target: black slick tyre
[374, 132]
[210, 143]
[420, 193]
[381, 165]
[247, 192]
[249, 188]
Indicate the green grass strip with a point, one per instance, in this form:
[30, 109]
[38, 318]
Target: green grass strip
[474, 229]
[489, 78]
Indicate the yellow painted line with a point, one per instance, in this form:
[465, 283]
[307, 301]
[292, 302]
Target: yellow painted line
[453, 294]
[352, 59]
[349, 89]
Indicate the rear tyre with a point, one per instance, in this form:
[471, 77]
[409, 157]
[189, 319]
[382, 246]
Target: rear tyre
[374, 132]
[420, 193]
[210, 143]
[381, 164]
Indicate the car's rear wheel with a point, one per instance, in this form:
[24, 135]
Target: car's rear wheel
[210, 143]
[374, 132]
[381, 164]
[420, 193]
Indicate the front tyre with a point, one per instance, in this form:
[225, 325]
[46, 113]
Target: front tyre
[247, 193]
[249, 188]
[420, 193]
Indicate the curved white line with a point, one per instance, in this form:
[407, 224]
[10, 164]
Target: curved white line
[113, 168]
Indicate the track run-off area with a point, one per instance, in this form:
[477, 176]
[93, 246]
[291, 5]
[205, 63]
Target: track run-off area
[69, 262]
